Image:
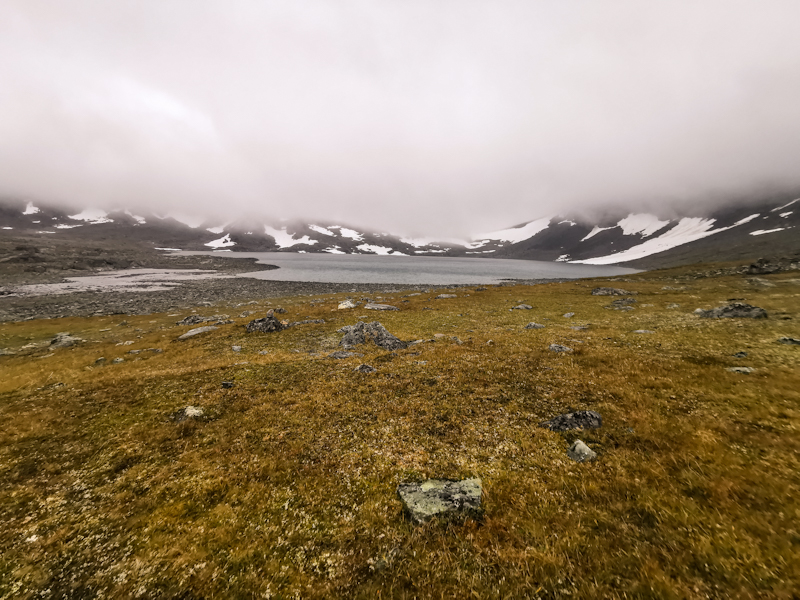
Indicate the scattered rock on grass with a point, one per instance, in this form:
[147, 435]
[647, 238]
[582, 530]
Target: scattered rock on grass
[236, 348]
[559, 348]
[741, 370]
[580, 452]
[740, 355]
[373, 306]
[580, 419]
[569, 315]
[117, 361]
[266, 325]
[227, 384]
[522, 307]
[533, 325]
[361, 332]
[340, 354]
[100, 360]
[737, 310]
[790, 341]
[643, 331]
[64, 340]
[189, 412]
[444, 296]
[445, 498]
[365, 369]
[608, 291]
[197, 331]
[347, 304]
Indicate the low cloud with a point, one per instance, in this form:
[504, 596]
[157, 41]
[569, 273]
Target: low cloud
[424, 118]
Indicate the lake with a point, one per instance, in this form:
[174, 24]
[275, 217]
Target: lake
[423, 270]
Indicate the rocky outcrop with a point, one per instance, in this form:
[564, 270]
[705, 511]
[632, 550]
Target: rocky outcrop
[267, 324]
[559, 348]
[64, 340]
[609, 291]
[197, 331]
[373, 306]
[533, 325]
[441, 498]
[374, 332]
[580, 419]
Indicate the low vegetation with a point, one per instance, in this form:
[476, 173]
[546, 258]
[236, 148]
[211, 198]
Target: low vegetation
[286, 486]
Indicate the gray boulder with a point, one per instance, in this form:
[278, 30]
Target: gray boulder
[608, 291]
[533, 325]
[266, 325]
[444, 498]
[569, 315]
[559, 348]
[347, 304]
[64, 340]
[522, 307]
[365, 369]
[741, 370]
[197, 331]
[373, 306]
[374, 332]
[580, 452]
[737, 310]
[444, 296]
[790, 341]
[580, 419]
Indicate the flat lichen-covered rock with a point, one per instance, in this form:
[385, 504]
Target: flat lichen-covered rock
[361, 333]
[446, 498]
[608, 291]
[198, 331]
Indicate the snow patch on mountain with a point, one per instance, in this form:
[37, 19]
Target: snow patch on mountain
[286, 240]
[65, 226]
[222, 242]
[786, 205]
[139, 220]
[382, 250]
[595, 231]
[351, 233]
[333, 250]
[30, 209]
[513, 235]
[95, 216]
[642, 223]
[321, 230]
[219, 229]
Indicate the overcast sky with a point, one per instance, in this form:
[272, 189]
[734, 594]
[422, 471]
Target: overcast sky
[418, 117]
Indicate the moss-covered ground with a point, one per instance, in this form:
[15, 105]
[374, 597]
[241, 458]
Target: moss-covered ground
[286, 487]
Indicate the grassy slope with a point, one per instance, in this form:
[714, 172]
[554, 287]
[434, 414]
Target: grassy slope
[287, 489]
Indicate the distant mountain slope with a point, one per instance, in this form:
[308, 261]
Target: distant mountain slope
[642, 240]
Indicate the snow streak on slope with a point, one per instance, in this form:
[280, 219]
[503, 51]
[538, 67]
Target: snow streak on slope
[687, 230]
[351, 233]
[595, 231]
[513, 235]
[763, 231]
[321, 230]
[222, 242]
[139, 220]
[382, 250]
[284, 239]
[30, 209]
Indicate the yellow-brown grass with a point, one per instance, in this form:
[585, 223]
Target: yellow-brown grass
[286, 488]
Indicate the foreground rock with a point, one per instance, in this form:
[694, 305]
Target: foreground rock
[522, 307]
[373, 306]
[559, 348]
[197, 331]
[266, 325]
[64, 340]
[580, 419]
[184, 414]
[790, 341]
[444, 498]
[533, 325]
[365, 369]
[347, 304]
[580, 452]
[445, 296]
[197, 319]
[374, 332]
[340, 354]
[608, 291]
[741, 370]
[736, 310]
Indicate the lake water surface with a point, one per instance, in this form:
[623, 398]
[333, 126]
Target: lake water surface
[425, 270]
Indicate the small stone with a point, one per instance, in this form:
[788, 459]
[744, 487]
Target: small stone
[134, 351]
[580, 419]
[443, 498]
[117, 361]
[263, 352]
[643, 331]
[740, 355]
[100, 360]
[347, 304]
[559, 348]
[365, 369]
[569, 315]
[741, 370]
[580, 452]
[236, 348]
[789, 341]
[444, 296]
[533, 325]
[227, 385]
[673, 305]
[522, 307]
